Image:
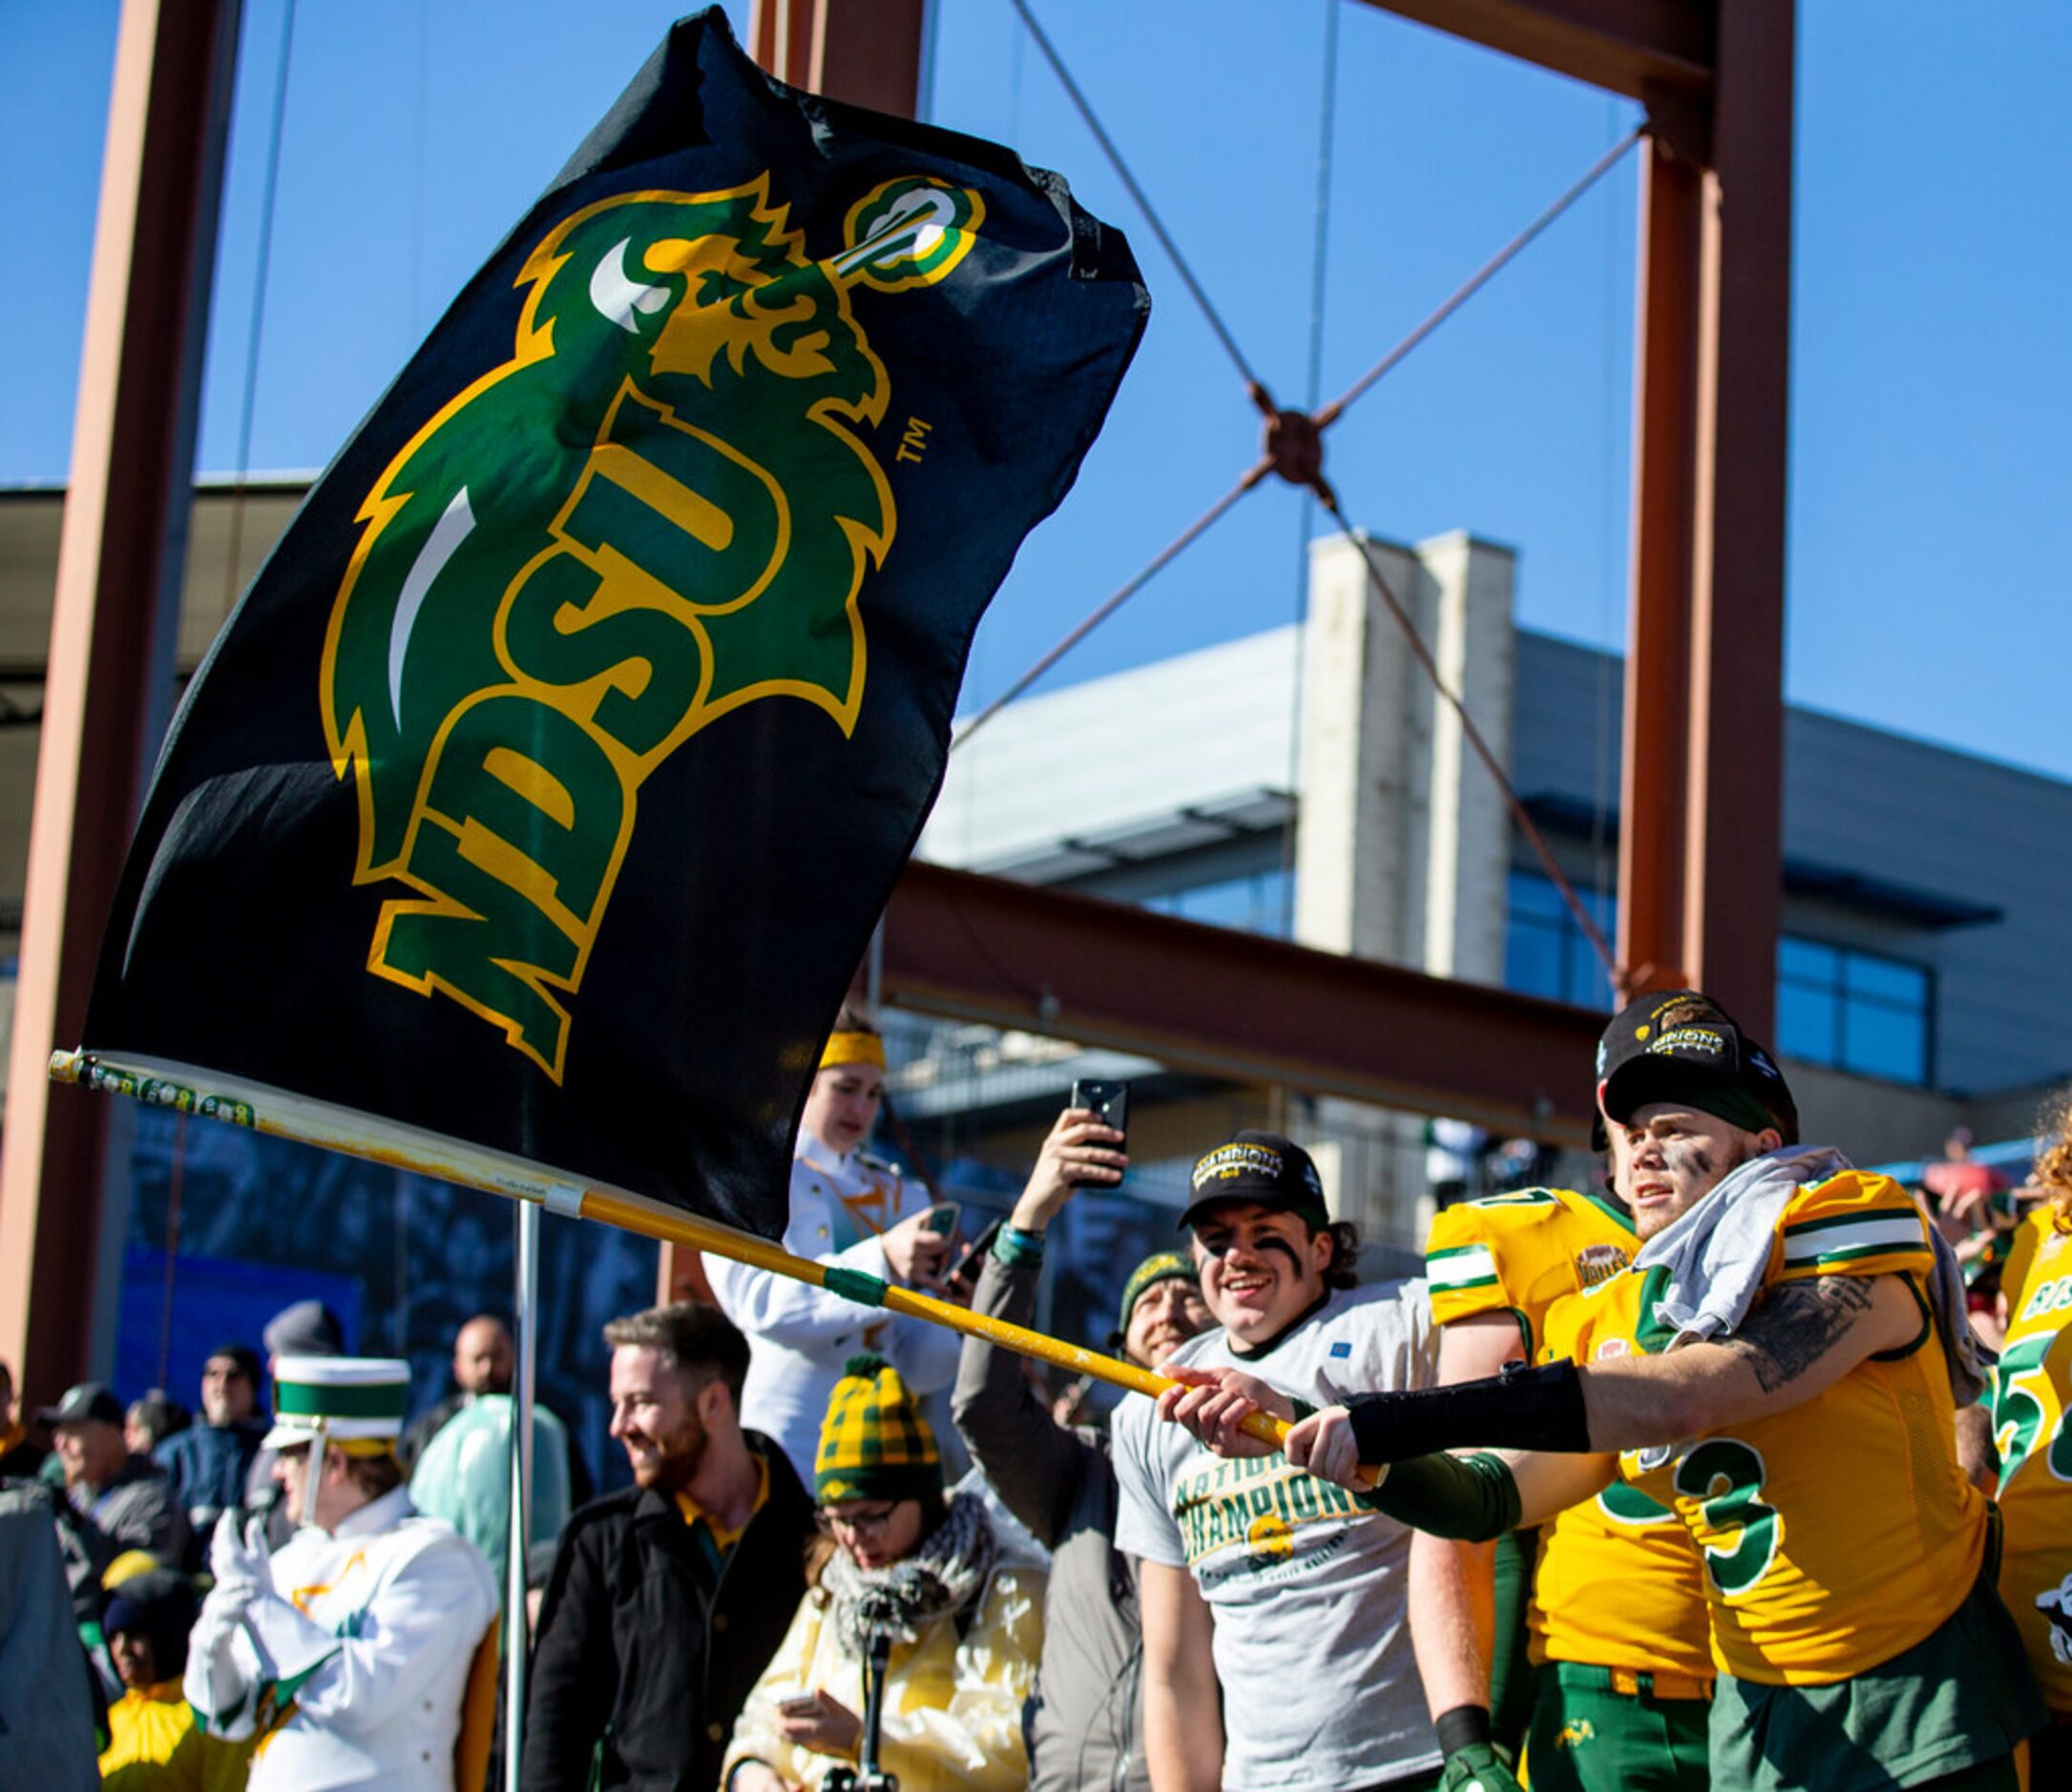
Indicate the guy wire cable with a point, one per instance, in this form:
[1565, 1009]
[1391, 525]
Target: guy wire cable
[1329, 415]
[1143, 203]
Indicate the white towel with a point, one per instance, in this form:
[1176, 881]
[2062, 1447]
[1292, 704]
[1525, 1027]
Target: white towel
[1717, 1253]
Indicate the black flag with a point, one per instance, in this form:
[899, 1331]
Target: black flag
[544, 787]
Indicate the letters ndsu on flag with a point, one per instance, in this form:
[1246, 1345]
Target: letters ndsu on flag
[544, 787]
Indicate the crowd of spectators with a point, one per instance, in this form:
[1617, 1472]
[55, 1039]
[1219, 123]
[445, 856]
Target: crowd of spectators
[1671, 1376]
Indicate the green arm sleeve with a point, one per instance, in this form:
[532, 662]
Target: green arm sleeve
[1470, 1499]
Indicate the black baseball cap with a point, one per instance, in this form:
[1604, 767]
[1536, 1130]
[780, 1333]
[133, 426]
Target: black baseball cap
[89, 1400]
[1680, 1044]
[1262, 1167]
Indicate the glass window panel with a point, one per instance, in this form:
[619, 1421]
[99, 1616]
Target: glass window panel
[1532, 895]
[1532, 960]
[1888, 980]
[1807, 1022]
[1588, 985]
[1256, 903]
[1879, 1041]
[1804, 961]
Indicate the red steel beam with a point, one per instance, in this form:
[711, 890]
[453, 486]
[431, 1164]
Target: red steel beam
[1732, 850]
[1668, 403]
[865, 52]
[1236, 1006]
[108, 680]
[1639, 48]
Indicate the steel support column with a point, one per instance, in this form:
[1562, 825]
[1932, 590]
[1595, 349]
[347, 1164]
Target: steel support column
[110, 678]
[865, 52]
[1734, 852]
[1667, 491]
[1701, 821]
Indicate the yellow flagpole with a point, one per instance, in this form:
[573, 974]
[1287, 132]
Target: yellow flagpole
[283, 1115]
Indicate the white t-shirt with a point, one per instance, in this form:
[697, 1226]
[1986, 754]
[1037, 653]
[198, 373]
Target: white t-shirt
[1306, 1586]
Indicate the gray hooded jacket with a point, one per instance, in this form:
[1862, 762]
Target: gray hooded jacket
[1085, 1724]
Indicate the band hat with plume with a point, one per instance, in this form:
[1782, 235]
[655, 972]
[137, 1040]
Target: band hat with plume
[874, 1443]
[352, 1400]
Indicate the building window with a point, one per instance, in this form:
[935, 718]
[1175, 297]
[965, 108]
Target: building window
[1545, 951]
[1855, 1011]
[1851, 1010]
[1259, 902]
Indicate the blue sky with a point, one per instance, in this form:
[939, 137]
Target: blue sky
[1931, 384]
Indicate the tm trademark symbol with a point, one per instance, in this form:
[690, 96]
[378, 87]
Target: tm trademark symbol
[914, 443]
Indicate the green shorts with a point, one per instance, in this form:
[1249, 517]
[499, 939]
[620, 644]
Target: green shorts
[1954, 1707]
[1588, 1737]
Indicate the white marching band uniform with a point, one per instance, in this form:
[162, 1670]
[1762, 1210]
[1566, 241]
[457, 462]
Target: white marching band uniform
[363, 1636]
[800, 1336]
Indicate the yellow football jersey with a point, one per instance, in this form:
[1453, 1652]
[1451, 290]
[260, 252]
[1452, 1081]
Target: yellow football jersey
[1841, 1532]
[1520, 1252]
[2032, 1391]
[1617, 1583]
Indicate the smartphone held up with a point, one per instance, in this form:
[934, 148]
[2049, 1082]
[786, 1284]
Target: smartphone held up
[1108, 1102]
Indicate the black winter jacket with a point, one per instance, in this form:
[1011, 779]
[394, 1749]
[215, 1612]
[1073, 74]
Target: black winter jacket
[635, 1632]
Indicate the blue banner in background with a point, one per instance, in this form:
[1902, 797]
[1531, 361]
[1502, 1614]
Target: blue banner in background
[403, 1259]
[166, 1330]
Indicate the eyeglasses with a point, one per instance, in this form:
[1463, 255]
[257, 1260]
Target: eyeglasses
[864, 1522]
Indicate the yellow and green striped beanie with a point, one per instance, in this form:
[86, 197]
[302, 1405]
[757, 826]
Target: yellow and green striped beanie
[1160, 1266]
[874, 1444]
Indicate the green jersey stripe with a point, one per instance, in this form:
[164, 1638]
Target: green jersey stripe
[1897, 1233]
[1460, 1267]
[1831, 1223]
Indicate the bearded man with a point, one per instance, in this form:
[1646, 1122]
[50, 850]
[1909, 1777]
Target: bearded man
[668, 1599]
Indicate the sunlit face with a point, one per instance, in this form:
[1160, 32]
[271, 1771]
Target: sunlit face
[482, 1358]
[875, 1533]
[654, 1417]
[91, 1451]
[227, 1393]
[843, 1106]
[1261, 1268]
[133, 1658]
[1166, 1315]
[337, 1495]
[1667, 1157]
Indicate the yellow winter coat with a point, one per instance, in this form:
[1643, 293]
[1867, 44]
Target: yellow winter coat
[953, 1705]
[154, 1746]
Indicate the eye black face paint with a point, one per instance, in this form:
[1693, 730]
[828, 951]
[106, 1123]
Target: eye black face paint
[1275, 1243]
[1222, 1243]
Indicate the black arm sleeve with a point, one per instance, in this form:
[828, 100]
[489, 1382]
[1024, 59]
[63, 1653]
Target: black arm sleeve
[1519, 1409]
[1470, 1499]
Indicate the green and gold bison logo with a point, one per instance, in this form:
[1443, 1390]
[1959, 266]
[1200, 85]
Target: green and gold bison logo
[659, 508]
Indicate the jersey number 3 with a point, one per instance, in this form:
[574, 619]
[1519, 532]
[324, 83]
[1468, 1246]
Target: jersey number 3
[1724, 1476]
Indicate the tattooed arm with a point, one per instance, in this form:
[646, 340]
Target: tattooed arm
[1801, 1339]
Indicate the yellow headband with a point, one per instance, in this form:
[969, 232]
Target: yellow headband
[852, 1047]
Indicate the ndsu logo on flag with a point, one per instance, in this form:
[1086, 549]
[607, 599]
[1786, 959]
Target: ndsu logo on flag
[522, 636]
[543, 789]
